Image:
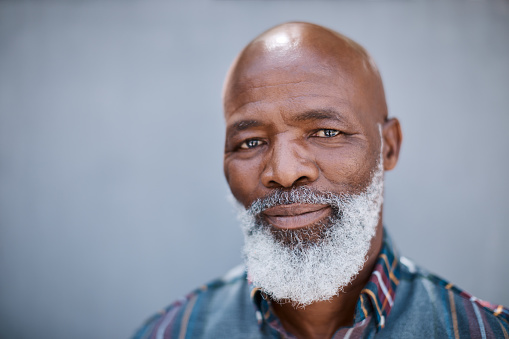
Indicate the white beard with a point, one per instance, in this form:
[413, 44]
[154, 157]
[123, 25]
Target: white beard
[313, 264]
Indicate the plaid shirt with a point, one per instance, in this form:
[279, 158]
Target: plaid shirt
[424, 306]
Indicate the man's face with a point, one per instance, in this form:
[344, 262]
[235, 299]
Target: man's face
[298, 123]
[303, 156]
[305, 124]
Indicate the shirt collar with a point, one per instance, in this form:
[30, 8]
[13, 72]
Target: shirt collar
[377, 297]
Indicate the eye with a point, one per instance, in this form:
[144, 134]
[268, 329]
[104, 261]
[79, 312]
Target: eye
[326, 133]
[251, 143]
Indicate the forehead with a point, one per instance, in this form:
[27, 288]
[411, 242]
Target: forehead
[294, 85]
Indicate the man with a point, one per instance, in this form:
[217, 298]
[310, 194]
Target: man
[308, 139]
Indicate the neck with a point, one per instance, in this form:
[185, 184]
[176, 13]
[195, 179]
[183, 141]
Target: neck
[322, 319]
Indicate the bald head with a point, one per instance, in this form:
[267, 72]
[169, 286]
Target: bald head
[320, 52]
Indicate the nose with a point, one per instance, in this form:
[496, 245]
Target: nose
[289, 164]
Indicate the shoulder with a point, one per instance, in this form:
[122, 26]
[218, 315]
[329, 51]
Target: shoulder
[188, 313]
[438, 307]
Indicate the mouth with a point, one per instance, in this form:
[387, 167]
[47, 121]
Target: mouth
[296, 216]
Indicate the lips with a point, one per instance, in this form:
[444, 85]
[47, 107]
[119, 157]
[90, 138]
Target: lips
[296, 215]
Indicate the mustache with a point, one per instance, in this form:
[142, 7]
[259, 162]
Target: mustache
[296, 195]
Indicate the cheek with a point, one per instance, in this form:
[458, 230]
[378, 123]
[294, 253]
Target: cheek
[347, 171]
[243, 178]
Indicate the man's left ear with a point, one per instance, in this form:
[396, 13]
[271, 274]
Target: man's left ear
[393, 137]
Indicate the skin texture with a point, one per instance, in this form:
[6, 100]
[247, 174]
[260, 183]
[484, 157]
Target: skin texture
[303, 106]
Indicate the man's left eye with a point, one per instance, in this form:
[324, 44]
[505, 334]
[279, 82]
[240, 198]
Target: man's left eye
[251, 143]
[326, 133]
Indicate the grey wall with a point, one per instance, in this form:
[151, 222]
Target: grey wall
[112, 199]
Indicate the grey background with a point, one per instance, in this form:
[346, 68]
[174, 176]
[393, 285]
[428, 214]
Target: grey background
[112, 198]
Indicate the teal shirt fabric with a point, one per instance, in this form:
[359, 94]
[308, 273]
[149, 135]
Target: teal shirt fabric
[401, 300]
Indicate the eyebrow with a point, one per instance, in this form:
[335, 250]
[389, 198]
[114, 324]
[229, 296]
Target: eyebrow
[319, 114]
[245, 124]
[312, 115]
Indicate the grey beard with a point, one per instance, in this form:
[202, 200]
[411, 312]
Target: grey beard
[314, 263]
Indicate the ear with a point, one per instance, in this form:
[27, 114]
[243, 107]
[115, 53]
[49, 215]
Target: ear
[391, 132]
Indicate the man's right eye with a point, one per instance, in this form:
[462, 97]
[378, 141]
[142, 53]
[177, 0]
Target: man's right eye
[251, 143]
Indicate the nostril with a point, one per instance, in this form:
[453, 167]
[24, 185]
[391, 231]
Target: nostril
[274, 184]
[302, 180]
